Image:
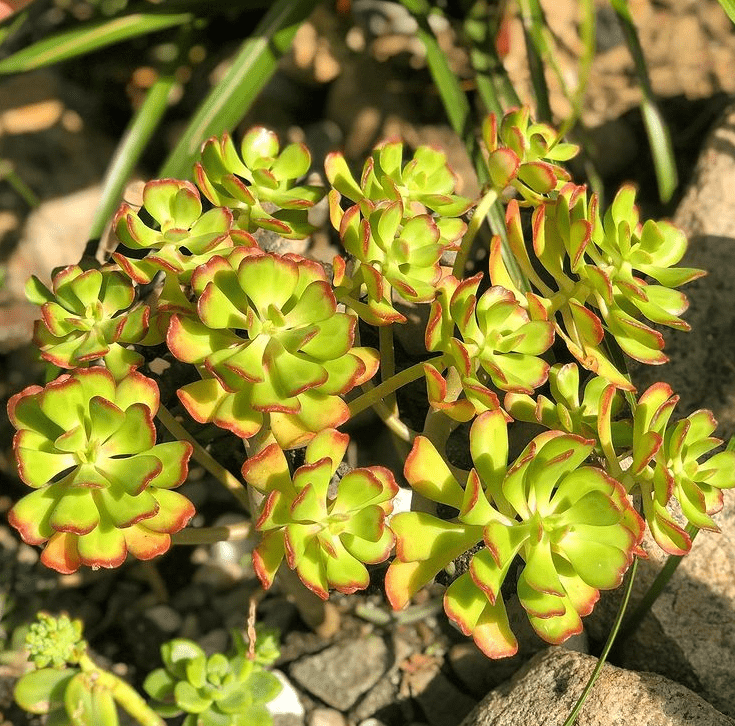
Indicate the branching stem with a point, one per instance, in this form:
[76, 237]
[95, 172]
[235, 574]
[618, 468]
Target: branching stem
[379, 393]
[203, 457]
[122, 692]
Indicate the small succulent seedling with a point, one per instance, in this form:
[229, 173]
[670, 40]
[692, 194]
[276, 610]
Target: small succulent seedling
[67, 686]
[218, 690]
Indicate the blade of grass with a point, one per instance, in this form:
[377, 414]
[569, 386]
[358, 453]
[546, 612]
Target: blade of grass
[729, 7]
[458, 112]
[533, 25]
[89, 37]
[455, 101]
[229, 101]
[658, 134]
[587, 34]
[493, 84]
[141, 128]
[128, 152]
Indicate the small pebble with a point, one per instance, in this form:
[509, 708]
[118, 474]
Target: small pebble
[165, 617]
[326, 717]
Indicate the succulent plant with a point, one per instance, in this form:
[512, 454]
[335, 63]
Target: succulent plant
[179, 238]
[391, 253]
[325, 531]
[426, 180]
[497, 343]
[259, 184]
[592, 264]
[102, 486]
[525, 155]
[571, 524]
[86, 316]
[214, 691]
[270, 336]
[84, 695]
[665, 464]
[565, 410]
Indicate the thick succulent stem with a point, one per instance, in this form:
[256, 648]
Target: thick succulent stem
[123, 693]
[387, 362]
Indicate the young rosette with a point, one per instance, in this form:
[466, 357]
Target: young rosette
[259, 184]
[271, 341]
[627, 247]
[88, 315]
[326, 527]
[489, 338]
[570, 523]
[391, 253]
[667, 463]
[566, 410]
[102, 486]
[173, 229]
[698, 484]
[426, 180]
[525, 155]
[218, 690]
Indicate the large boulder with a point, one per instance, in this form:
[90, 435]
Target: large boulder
[545, 690]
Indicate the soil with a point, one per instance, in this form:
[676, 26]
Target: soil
[352, 78]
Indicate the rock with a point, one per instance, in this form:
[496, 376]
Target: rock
[55, 234]
[286, 708]
[382, 699]
[165, 617]
[442, 702]
[326, 717]
[340, 674]
[689, 632]
[544, 692]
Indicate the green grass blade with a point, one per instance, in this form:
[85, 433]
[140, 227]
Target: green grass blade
[536, 50]
[493, 85]
[142, 126]
[89, 37]
[456, 105]
[458, 112]
[658, 134]
[729, 7]
[230, 99]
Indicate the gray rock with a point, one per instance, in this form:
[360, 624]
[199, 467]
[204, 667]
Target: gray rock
[165, 617]
[442, 702]
[340, 674]
[544, 692]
